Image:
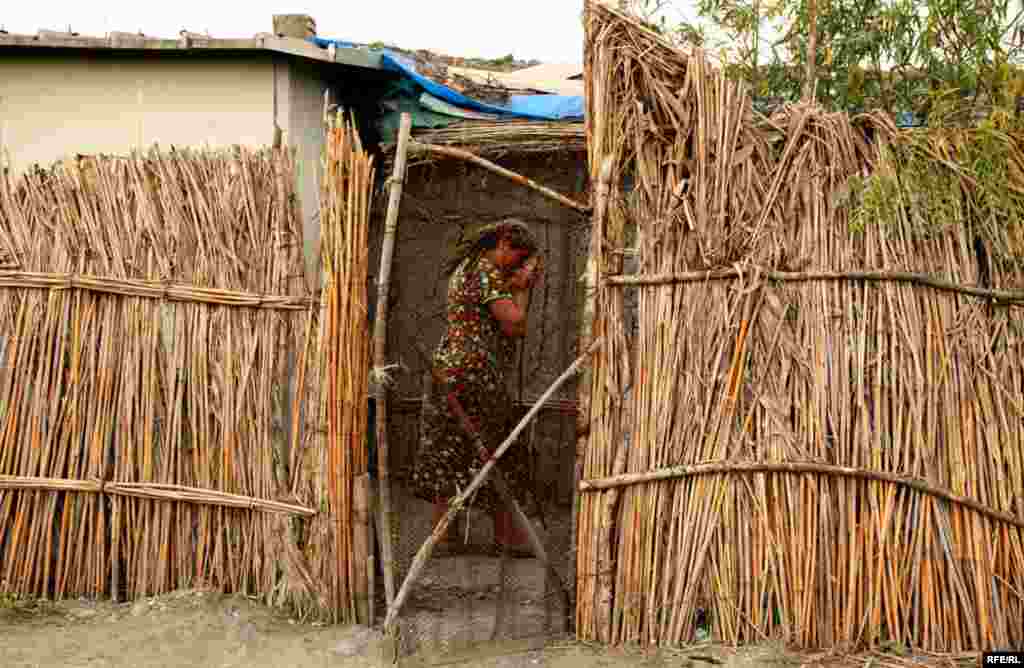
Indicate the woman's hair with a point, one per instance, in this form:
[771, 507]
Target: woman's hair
[473, 245]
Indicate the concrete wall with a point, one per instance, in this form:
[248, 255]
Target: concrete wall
[301, 114]
[60, 104]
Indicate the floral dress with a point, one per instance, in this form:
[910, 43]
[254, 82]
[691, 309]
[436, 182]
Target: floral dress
[471, 359]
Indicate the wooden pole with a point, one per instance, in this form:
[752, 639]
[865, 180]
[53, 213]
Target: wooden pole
[380, 335]
[481, 477]
[507, 173]
[625, 479]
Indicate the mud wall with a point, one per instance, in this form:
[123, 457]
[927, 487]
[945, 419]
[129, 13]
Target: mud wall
[439, 200]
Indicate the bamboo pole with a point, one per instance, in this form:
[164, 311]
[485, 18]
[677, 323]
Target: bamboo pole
[675, 472]
[380, 348]
[420, 561]
[452, 152]
[1012, 297]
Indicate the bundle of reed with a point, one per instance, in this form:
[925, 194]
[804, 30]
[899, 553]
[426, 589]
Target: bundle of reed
[335, 452]
[514, 137]
[845, 369]
[107, 377]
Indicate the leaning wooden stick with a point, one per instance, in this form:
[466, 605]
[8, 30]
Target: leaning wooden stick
[380, 328]
[481, 477]
[507, 173]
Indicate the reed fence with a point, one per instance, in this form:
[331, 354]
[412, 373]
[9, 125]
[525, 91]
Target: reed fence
[815, 432]
[152, 319]
[335, 371]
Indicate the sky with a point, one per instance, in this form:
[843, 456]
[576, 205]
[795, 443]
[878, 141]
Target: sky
[546, 30]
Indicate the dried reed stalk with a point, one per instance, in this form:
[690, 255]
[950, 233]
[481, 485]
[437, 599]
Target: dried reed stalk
[501, 138]
[154, 491]
[150, 290]
[334, 450]
[176, 406]
[998, 296]
[903, 372]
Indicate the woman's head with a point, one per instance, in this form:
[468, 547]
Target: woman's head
[510, 239]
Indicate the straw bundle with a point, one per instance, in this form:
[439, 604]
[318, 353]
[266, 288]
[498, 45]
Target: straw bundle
[896, 401]
[174, 402]
[498, 138]
[338, 348]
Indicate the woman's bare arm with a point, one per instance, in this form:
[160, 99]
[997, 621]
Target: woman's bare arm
[510, 314]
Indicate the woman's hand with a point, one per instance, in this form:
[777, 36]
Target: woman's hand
[526, 275]
[468, 424]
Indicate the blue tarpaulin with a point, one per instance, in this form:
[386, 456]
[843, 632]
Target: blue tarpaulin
[537, 107]
[540, 107]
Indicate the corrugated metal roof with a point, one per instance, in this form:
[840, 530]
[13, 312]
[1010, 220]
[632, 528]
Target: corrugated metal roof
[191, 43]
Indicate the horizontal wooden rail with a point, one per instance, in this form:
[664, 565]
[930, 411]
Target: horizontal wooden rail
[710, 468]
[1007, 296]
[156, 491]
[178, 292]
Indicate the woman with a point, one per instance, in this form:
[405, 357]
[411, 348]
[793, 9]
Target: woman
[488, 290]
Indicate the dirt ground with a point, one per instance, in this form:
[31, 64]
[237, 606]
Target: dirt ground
[198, 629]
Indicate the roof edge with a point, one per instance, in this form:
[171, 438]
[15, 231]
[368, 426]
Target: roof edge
[193, 44]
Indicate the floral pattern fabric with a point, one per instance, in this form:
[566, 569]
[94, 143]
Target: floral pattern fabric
[471, 359]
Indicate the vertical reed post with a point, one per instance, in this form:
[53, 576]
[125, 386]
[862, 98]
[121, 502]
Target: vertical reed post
[600, 204]
[380, 329]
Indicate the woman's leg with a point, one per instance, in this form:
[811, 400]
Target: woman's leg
[507, 532]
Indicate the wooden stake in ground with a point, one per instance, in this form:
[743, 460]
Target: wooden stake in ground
[380, 333]
[481, 477]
